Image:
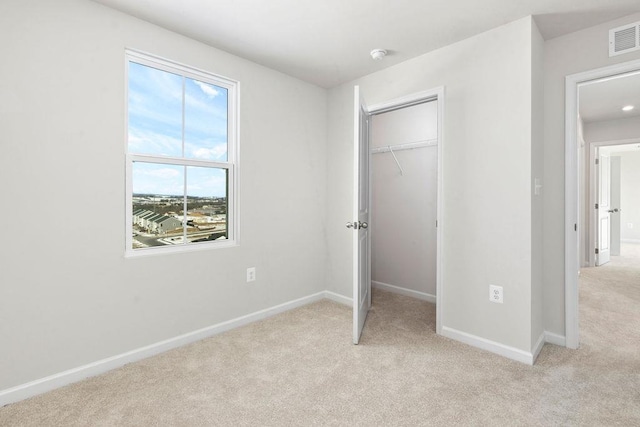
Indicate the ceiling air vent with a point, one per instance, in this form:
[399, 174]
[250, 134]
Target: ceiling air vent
[624, 39]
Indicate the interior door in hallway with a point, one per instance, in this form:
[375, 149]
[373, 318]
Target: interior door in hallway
[603, 250]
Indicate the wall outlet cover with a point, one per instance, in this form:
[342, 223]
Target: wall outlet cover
[496, 294]
[251, 274]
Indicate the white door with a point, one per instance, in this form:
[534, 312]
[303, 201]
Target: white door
[360, 224]
[615, 205]
[604, 204]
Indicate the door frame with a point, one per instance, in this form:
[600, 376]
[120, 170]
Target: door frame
[591, 240]
[571, 190]
[435, 94]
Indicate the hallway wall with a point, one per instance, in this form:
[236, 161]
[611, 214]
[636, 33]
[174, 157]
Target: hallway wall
[570, 54]
[630, 197]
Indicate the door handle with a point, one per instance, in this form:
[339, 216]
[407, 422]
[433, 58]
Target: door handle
[357, 224]
[613, 210]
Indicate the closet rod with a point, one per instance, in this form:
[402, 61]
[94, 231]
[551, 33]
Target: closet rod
[407, 146]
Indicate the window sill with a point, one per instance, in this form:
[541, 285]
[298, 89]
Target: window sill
[174, 249]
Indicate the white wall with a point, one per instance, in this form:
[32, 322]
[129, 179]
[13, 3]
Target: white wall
[537, 171]
[573, 53]
[612, 130]
[403, 238]
[68, 296]
[630, 196]
[66, 290]
[487, 152]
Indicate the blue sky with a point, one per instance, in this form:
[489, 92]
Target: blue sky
[155, 127]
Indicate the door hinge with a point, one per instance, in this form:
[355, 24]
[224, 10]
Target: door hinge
[597, 251]
[596, 206]
[575, 227]
[597, 161]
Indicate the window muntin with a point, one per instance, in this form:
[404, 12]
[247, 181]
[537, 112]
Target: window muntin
[181, 145]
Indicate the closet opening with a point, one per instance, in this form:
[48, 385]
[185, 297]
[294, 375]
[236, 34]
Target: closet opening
[404, 206]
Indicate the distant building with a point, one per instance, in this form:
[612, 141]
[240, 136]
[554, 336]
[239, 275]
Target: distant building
[167, 223]
[155, 222]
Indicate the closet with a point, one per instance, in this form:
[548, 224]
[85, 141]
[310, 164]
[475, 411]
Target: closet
[404, 158]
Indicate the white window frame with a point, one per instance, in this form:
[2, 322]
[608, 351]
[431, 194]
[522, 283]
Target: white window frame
[231, 165]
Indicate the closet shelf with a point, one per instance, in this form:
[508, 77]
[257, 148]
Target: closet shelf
[407, 146]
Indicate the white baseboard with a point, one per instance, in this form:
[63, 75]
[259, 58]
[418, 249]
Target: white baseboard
[492, 346]
[556, 339]
[338, 298]
[630, 240]
[404, 291]
[70, 376]
[537, 348]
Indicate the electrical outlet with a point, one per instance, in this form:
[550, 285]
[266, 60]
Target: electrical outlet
[251, 274]
[495, 294]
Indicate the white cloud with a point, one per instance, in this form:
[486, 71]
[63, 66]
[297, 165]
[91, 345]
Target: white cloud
[214, 153]
[207, 89]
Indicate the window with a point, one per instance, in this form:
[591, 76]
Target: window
[181, 157]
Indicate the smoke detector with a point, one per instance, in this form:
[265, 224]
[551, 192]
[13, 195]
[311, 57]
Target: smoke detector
[378, 54]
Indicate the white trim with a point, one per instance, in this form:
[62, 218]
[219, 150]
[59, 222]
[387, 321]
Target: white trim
[182, 161]
[404, 291]
[439, 206]
[537, 348]
[51, 382]
[405, 101]
[436, 94]
[492, 346]
[341, 299]
[176, 249]
[164, 64]
[555, 339]
[571, 208]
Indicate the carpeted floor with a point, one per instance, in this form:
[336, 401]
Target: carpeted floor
[299, 368]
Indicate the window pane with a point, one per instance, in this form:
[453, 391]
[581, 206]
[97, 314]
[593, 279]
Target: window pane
[206, 204]
[158, 200]
[155, 111]
[205, 115]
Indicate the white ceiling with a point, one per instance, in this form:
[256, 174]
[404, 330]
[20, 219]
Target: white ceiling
[617, 149]
[327, 42]
[604, 100]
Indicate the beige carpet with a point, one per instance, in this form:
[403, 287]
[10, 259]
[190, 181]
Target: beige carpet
[299, 368]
